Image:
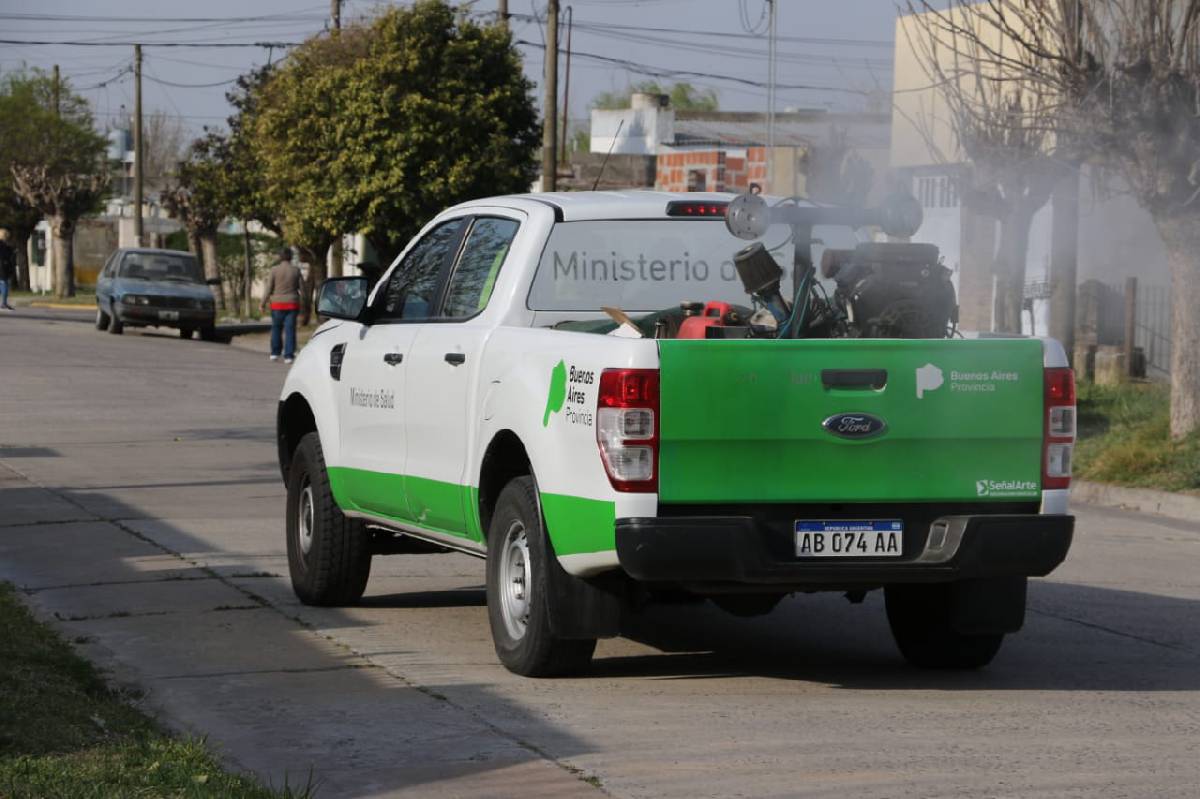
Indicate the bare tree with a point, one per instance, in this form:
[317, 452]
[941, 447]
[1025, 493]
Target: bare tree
[1003, 120]
[63, 198]
[1126, 75]
[196, 200]
[164, 147]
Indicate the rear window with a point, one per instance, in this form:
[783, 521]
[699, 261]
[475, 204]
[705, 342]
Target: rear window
[161, 266]
[649, 265]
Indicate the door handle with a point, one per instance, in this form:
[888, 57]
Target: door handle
[393, 358]
[456, 358]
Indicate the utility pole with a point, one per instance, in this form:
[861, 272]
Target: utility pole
[550, 104]
[502, 13]
[138, 175]
[336, 256]
[770, 95]
[562, 153]
[55, 90]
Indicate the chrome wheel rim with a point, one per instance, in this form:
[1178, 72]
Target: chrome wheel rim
[515, 582]
[304, 516]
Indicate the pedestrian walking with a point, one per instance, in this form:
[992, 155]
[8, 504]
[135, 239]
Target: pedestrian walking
[8, 269]
[283, 294]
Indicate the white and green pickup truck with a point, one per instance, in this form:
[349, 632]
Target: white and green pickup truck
[524, 385]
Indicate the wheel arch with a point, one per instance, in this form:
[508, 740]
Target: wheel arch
[504, 459]
[294, 420]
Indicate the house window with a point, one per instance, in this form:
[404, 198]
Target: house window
[937, 191]
[697, 180]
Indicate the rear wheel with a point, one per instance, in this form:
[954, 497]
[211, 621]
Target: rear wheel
[920, 618]
[518, 597]
[185, 333]
[102, 319]
[328, 554]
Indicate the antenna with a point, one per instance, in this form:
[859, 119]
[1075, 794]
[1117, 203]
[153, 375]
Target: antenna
[606, 155]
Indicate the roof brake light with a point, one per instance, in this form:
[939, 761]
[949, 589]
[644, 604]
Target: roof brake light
[696, 209]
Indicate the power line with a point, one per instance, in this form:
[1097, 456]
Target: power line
[827, 41]
[662, 72]
[150, 44]
[172, 84]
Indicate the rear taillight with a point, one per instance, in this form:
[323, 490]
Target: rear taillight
[627, 428]
[1058, 441]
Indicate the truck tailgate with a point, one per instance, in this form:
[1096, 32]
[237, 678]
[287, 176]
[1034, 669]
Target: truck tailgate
[744, 421]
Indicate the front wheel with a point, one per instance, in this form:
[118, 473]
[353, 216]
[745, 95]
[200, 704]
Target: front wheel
[116, 326]
[185, 333]
[329, 558]
[921, 620]
[518, 559]
[208, 333]
[102, 319]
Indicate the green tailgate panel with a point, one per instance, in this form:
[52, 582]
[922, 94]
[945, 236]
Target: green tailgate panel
[742, 421]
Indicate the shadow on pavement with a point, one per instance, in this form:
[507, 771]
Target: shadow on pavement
[1095, 639]
[274, 697]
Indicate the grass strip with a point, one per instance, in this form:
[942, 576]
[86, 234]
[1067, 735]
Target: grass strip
[65, 733]
[1125, 439]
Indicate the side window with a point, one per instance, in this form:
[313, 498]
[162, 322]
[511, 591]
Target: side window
[472, 283]
[110, 266]
[411, 290]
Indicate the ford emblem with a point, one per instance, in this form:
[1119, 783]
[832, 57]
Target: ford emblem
[854, 425]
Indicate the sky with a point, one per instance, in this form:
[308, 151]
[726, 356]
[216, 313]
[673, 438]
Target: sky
[831, 52]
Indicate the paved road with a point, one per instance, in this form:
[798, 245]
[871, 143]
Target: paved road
[139, 502]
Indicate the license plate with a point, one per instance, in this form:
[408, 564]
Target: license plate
[170, 316]
[849, 538]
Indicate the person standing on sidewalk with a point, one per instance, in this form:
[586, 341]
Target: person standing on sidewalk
[8, 269]
[283, 293]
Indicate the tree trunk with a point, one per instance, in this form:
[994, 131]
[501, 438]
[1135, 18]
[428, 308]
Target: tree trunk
[336, 257]
[1064, 257]
[21, 245]
[194, 244]
[212, 265]
[1009, 268]
[62, 242]
[315, 258]
[1181, 238]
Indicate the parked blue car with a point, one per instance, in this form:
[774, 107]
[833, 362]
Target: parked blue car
[162, 288]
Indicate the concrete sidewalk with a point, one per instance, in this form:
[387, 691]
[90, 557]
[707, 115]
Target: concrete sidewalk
[216, 659]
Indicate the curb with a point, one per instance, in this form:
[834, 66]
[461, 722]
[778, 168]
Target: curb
[1182, 507]
[61, 306]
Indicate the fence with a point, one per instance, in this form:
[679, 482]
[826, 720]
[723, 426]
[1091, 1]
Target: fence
[1153, 331]
[1101, 318]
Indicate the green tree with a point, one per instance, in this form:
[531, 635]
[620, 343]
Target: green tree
[383, 126]
[683, 95]
[56, 160]
[19, 101]
[299, 124]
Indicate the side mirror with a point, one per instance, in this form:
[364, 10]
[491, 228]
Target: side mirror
[343, 297]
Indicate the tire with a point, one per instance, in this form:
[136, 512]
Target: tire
[919, 616]
[185, 333]
[519, 555]
[329, 558]
[116, 326]
[208, 333]
[102, 319]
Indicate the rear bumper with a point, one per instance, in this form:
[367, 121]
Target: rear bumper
[732, 551]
